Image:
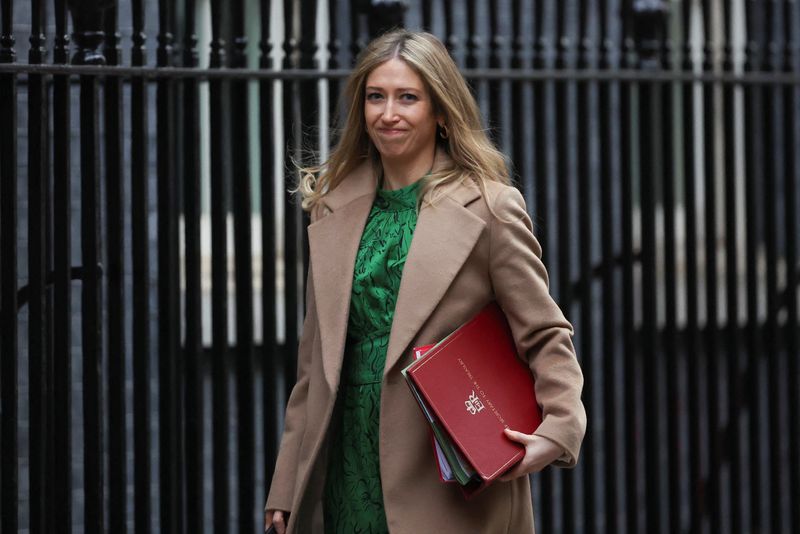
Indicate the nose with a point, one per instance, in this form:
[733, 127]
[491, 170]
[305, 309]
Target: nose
[389, 114]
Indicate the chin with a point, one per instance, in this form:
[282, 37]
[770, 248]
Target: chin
[393, 152]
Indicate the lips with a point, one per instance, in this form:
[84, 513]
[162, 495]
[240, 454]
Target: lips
[390, 132]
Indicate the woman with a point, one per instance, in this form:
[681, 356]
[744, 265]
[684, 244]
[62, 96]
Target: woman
[414, 229]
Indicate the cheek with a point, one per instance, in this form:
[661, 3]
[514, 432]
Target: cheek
[428, 128]
[369, 119]
[426, 123]
[371, 135]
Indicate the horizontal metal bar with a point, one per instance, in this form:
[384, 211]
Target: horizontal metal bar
[745, 78]
[171, 72]
[76, 273]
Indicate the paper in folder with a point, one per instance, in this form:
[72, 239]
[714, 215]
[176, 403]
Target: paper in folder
[470, 386]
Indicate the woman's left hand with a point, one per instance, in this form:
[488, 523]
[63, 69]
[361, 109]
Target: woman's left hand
[539, 453]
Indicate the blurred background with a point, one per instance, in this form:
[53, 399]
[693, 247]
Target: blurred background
[152, 263]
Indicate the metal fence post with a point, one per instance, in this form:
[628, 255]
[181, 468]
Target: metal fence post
[38, 233]
[649, 21]
[87, 19]
[383, 15]
[9, 488]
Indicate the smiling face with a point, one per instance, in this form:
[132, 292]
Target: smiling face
[399, 113]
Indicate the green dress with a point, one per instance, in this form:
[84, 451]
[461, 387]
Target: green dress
[353, 501]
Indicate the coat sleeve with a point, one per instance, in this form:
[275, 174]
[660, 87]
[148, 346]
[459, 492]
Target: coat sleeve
[541, 332]
[283, 480]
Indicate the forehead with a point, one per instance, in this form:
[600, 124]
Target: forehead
[395, 73]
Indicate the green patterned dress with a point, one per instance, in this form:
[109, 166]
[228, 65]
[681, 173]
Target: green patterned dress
[353, 499]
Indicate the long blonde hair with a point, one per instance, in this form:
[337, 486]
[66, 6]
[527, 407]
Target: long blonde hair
[472, 154]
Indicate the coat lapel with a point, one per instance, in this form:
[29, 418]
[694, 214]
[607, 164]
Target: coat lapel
[445, 235]
[333, 244]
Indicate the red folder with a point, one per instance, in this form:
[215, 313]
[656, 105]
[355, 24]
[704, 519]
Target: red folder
[418, 353]
[474, 383]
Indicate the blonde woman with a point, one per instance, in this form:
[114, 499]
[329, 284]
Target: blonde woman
[414, 229]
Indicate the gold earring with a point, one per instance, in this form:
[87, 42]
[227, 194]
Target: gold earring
[443, 133]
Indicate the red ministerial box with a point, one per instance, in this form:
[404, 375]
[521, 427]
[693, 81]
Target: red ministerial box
[476, 385]
[419, 352]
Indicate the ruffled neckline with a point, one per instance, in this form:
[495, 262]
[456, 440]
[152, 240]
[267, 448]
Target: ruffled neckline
[398, 199]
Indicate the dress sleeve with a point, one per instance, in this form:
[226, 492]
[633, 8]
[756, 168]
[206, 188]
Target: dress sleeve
[542, 334]
[283, 480]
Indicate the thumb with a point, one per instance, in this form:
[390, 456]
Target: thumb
[513, 435]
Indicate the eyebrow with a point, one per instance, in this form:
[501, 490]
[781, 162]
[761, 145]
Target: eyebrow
[375, 87]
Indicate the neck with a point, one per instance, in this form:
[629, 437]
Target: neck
[399, 173]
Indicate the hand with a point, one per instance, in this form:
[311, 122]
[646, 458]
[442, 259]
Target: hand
[277, 517]
[539, 453]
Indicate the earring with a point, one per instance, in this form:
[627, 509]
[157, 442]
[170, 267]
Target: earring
[443, 133]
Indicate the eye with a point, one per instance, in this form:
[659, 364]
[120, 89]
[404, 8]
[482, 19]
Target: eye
[374, 96]
[409, 97]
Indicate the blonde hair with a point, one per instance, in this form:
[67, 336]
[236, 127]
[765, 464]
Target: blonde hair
[473, 156]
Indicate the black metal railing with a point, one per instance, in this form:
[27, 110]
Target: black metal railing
[153, 264]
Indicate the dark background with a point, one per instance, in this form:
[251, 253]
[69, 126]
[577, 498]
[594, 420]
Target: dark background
[152, 265]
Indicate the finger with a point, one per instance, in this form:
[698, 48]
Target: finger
[516, 471]
[267, 519]
[511, 475]
[280, 522]
[519, 437]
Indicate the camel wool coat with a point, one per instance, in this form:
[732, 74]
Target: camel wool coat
[461, 257]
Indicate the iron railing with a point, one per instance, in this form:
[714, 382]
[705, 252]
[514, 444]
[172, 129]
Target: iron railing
[152, 263]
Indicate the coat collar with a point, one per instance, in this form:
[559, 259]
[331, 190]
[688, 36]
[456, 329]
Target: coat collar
[444, 236]
[362, 181]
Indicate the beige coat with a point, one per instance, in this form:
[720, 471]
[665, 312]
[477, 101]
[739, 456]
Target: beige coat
[461, 257]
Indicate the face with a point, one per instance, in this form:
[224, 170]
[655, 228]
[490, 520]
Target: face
[399, 112]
